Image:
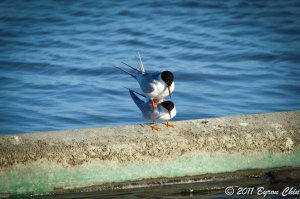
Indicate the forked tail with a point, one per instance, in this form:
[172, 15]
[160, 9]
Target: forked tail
[140, 63]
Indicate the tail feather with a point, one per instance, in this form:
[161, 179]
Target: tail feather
[137, 60]
[141, 63]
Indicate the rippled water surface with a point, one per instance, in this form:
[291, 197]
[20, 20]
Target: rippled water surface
[228, 57]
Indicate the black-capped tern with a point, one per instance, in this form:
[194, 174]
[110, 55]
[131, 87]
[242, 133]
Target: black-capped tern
[165, 110]
[156, 85]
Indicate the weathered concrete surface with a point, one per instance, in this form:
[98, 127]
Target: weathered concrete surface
[111, 147]
[273, 132]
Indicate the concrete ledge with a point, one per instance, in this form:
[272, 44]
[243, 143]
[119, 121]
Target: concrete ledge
[45, 162]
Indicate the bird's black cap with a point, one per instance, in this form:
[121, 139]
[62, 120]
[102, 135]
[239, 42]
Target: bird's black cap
[168, 105]
[168, 77]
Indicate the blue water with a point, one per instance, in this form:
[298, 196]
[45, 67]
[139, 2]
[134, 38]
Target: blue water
[228, 57]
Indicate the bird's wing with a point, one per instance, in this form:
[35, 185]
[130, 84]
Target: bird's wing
[145, 107]
[125, 71]
[131, 67]
[140, 103]
[147, 81]
[139, 93]
[141, 66]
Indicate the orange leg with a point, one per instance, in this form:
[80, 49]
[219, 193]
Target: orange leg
[154, 126]
[168, 124]
[154, 103]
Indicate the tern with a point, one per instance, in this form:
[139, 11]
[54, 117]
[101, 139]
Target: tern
[165, 110]
[155, 85]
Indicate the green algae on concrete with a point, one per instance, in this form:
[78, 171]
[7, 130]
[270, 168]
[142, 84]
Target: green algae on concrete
[46, 162]
[34, 178]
